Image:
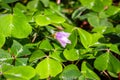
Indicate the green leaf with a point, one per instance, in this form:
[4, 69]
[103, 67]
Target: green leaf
[94, 20]
[109, 30]
[68, 27]
[21, 61]
[45, 45]
[106, 2]
[115, 49]
[42, 20]
[102, 15]
[34, 5]
[104, 26]
[5, 56]
[5, 67]
[20, 73]
[50, 16]
[18, 50]
[105, 23]
[71, 54]
[98, 6]
[115, 75]
[78, 12]
[15, 25]
[20, 27]
[48, 67]
[88, 3]
[117, 29]
[114, 64]
[82, 77]
[58, 55]
[9, 1]
[49, 12]
[38, 54]
[2, 40]
[54, 6]
[36, 77]
[73, 39]
[112, 10]
[45, 2]
[101, 62]
[101, 29]
[56, 46]
[87, 72]
[95, 38]
[111, 63]
[5, 6]
[86, 53]
[6, 21]
[21, 7]
[70, 72]
[56, 19]
[85, 37]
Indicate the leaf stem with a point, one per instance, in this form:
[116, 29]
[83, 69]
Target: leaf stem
[107, 75]
[49, 78]
[77, 62]
[118, 76]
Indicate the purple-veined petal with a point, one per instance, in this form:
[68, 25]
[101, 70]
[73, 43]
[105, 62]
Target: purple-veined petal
[62, 38]
[61, 34]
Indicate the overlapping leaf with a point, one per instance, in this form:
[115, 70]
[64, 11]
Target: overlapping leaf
[48, 67]
[15, 25]
[20, 73]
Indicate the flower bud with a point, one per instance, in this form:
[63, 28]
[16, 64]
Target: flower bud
[62, 38]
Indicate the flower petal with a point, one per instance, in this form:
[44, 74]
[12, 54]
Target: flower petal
[62, 38]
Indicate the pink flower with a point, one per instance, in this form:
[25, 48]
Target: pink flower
[62, 38]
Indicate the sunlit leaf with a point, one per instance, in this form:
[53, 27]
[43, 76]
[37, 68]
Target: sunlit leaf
[68, 27]
[71, 54]
[21, 61]
[73, 39]
[5, 56]
[115, 49]
[45, 45]
[18, 49]
[78, 12]
[20, 73]
[56, 19]
[98, 6]
[15, 25]
[33, 5]
[38, 54]
[42, 20]
[107, 2]
[85, 37]
[88, 72]
[5, 67]
[45, 2]
[112, 10]
[58, 55]
[48, 67]
[117, 29]
[70, 72]
[101, 63]
[9, 1]
[2, 40]
[88, 3]
[94, 20]
[108, 62]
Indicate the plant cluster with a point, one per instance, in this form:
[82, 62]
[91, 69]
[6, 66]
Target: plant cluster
[59, 39]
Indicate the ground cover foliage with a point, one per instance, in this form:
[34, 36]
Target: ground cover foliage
[59, 39]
